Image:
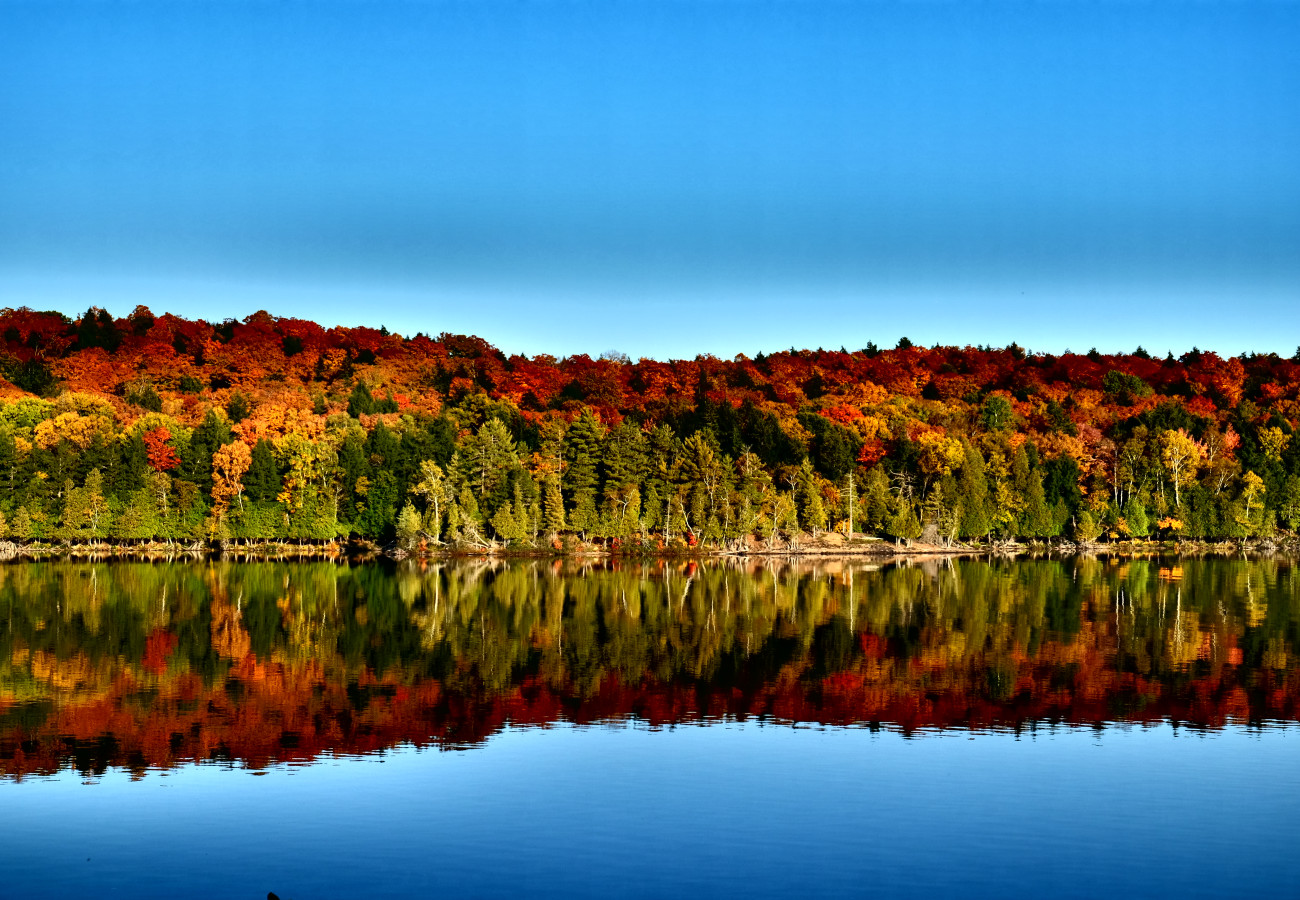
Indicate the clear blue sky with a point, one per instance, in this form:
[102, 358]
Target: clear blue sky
[664, 178]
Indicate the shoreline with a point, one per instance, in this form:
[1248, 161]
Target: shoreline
[867, 549]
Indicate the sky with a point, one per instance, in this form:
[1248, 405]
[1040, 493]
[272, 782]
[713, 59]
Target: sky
[664, 178]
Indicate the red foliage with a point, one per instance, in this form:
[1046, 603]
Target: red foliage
[162, 458]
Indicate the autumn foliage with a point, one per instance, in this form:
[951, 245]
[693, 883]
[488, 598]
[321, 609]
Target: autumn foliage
[272, 427]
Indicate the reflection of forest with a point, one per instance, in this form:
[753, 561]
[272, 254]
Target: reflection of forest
[144, 665]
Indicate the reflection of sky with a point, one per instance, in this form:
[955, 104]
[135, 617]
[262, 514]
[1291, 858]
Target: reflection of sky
[663, 178]
[720, 810]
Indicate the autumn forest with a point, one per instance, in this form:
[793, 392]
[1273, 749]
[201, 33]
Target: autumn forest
[160, 428]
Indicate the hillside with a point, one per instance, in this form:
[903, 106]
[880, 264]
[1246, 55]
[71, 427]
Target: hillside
[157, 426]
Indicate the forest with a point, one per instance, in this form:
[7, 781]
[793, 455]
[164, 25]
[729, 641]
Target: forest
[161, 428]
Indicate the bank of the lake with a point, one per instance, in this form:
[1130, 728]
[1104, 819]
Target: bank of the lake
[804, 546]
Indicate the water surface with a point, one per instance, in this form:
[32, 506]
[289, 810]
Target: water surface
[1078, 727]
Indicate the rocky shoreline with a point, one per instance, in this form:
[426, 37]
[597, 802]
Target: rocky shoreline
[806, 546]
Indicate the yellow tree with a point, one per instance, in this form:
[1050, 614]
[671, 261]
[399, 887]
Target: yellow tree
[1273, 441]
[1182, 458]
[1252, 492]
[229, 463]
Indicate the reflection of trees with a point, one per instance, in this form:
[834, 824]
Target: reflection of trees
[295, 658]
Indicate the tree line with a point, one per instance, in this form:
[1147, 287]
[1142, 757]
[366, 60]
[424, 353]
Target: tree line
[271, 429]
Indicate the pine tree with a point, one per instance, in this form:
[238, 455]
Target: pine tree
[875, 500]
[581, 473]
[262, 481]
[470, 520]
[1036, 519]
[552, 506]
[903, 523]
[973, 491]
[506, 524]
[812, 508]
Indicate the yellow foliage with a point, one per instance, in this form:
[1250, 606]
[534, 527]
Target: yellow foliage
[74, 427]
[229, 463]
[938, 453]
[1273, 441]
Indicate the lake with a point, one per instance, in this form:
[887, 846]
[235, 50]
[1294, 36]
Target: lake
[1071, 727]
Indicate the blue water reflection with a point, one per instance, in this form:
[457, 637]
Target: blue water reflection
[725, 809]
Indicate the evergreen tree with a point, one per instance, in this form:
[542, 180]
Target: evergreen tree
[902, 523]
[623, 458]
[196, 458]
[263, 480]
[488, 460]
[812, 510]
[875, 502]
[360, 401]
[973, 491]
[1036, 519]
[581, 472]
[506, 524]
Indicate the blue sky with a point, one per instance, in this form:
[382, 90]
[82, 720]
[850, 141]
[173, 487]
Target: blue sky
[664, 178]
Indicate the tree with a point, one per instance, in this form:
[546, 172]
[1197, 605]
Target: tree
[1250, 515]
[1289, 507]
[582, 445]
[552, 505]
[997, 414]
[162, 457]
[1036, 519]
[1086, 528]
[262, 479]
[229, 464]
[432, 487]
[408, 527]
[85, 511]
[973, 494]
[487, 460]
[1182, 458]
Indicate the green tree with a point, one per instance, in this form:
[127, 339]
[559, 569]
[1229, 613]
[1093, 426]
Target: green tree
[408, 527]
[263, 481]
[973, 495]
[582, 446]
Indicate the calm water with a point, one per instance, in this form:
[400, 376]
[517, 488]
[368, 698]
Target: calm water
[1072, 727]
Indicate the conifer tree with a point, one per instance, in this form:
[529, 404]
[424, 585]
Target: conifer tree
[552, 506]
[973, 491]
[875, 501]
[902, 523]
[262, 481]
[1036, 519]
[581, 472]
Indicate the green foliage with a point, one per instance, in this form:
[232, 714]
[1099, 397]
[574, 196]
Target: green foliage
[33, 376]
[263, 480]
[1124, 387]
[997, 413]
[145, 397]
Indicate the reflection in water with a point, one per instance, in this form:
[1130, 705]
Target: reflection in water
[139, 665]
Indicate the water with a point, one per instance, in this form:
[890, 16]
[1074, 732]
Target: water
[1074, 728]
